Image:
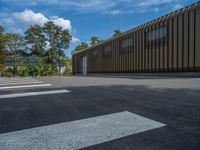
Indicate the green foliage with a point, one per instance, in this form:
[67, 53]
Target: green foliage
[36, 38]
[2, 39]
[10, 72]
[15, 43]
[58, 40]
[81, 47]
[95, 40]
[39, 69]
[45, 43]
[68, 67]
[117, 32]
[2, 51]
[1, 29]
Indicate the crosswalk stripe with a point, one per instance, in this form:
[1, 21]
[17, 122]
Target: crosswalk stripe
[18, 83]
[33, 94]
[16, 80]
[24, 86]
[78, 134]
[22, 78]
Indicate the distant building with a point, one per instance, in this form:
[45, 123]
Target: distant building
[170, 43]
[24, 57]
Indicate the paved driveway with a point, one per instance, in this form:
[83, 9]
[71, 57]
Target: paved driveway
[100, 113]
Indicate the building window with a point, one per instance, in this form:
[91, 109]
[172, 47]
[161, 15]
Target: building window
[94, 52]
[107, 50]
[126, 43]
[156, 35]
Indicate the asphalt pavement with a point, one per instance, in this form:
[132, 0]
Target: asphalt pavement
[102, 113]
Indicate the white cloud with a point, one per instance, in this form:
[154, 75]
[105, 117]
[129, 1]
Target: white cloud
[82, 5]
[115, 12]
[75, 40]
[118, 12]
[177, 6]
[16, 30]
[21, 2]
[148, 3]
[31, 18]
[64, 23]
[7, 21]
[19, 21]
[113, 7]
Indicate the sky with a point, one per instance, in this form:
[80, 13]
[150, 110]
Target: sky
[84, 18]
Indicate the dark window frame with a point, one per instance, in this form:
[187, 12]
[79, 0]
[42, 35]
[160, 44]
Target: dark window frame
[107, 50]
[129, 43]
[94, 52]
[149, 39]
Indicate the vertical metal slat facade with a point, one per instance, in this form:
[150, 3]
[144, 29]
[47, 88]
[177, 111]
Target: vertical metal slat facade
[170, 43]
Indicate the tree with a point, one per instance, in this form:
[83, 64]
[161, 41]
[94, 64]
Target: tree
[58, 40]
[15, 43]
[1, 29]
[2, 51]
[81, 47]
[117, 32]
[47, 42]
[49, 30]
[62, 43]
[68, 66]
[36, 38]
[95, 40]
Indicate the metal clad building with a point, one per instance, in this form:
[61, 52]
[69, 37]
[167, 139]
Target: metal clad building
[168, 44]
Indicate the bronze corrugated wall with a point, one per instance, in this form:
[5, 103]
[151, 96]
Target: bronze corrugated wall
[168, 44]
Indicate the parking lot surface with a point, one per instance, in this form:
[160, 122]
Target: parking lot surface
[140, 113]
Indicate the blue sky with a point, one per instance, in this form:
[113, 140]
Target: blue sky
[84, 18]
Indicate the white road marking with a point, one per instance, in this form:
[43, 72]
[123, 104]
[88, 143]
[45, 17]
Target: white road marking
[17, 83]
[13, 81]
[24, 86]
[78, 134]
[17, 79]
[33, 94]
